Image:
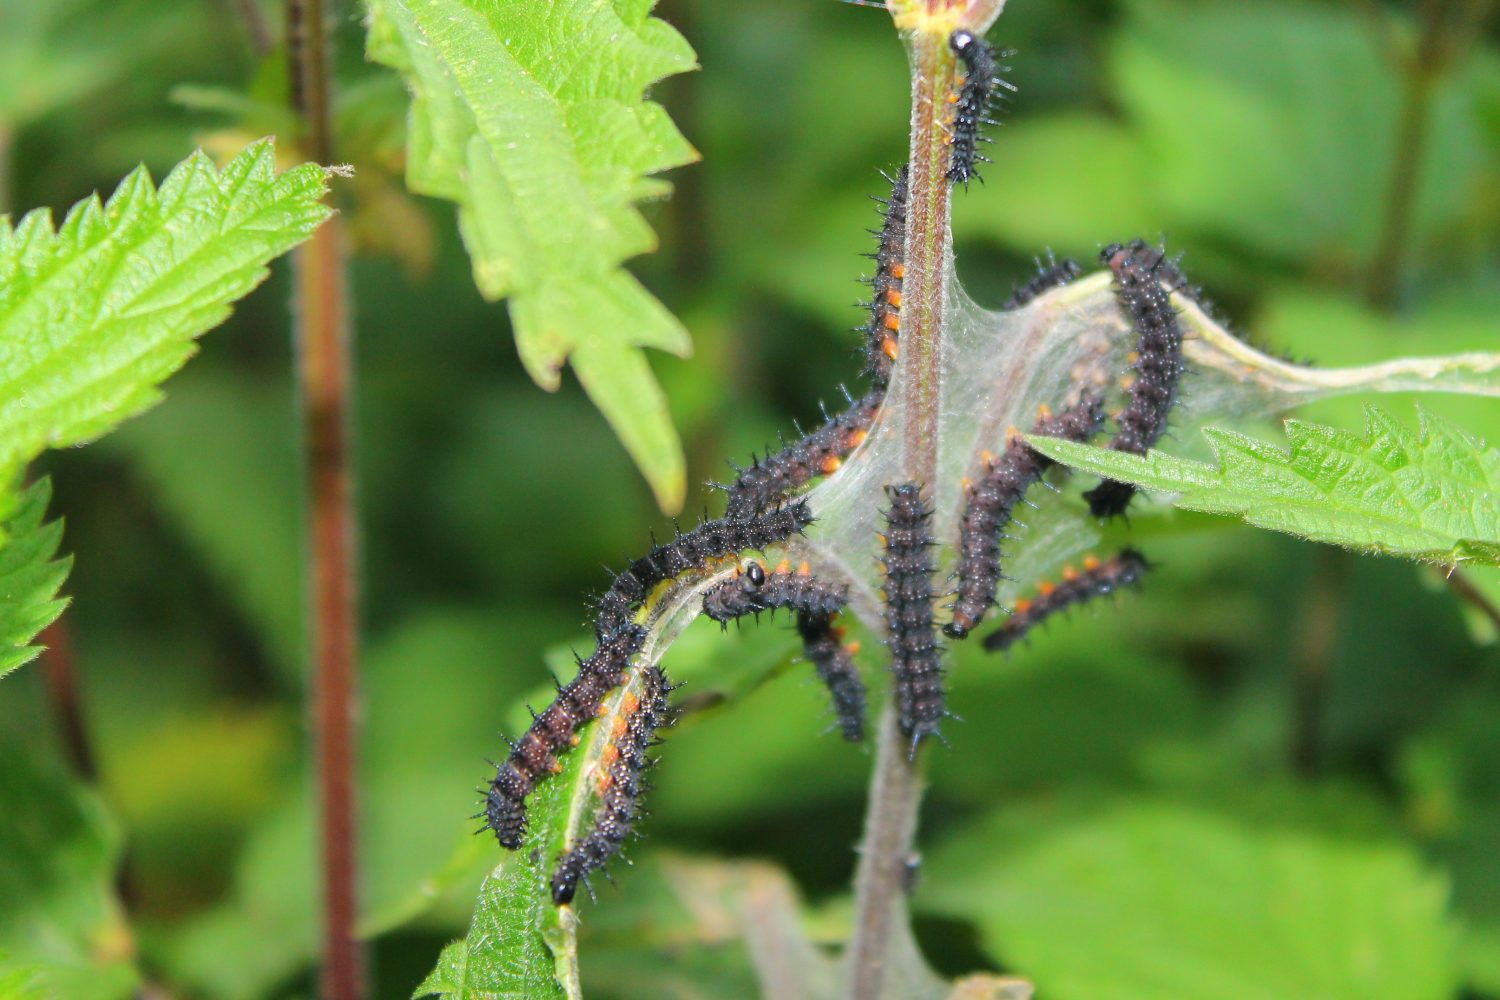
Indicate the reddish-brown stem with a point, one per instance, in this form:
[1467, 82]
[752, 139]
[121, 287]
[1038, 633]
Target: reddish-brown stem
[897, 784]
[60, 674]
[321, 316]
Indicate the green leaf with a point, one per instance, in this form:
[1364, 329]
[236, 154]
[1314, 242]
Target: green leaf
[61, 927]
[1145, 899]
[29, 575]
[1433, 495]
[531, 118]
[95, 314]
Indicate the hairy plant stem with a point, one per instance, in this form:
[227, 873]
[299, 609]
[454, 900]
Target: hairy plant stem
[1447, 26]
[897, 784]
[321, 317]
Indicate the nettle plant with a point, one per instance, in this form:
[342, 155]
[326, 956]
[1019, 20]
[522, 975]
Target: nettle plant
[1094, 400]
[899, 512]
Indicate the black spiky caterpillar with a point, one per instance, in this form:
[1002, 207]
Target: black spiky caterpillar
[1054, 274]
[883, 330]
[833, 659]
[817, 605]
[971, 104]
[1096, 579]
[552, 731]
[916, 655]
[818, 454]
[990, 503]
[534, 755]
[821, 453]
[626, 758]
[720, 538]
[1143, 280]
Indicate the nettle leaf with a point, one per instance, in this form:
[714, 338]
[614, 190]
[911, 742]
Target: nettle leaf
[1431, 495]
[29, 575]
[531, 118]
[1139, 898]
[62, 931]
[94, 314]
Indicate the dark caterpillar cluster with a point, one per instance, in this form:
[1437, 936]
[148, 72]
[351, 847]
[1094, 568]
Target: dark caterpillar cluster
[916, 655]
[761, 513]
[817, 606]
[971, 104]
[1096, 579]
[534, 755]
[1054, 274]
[1144, 279]
[555, 729]
[990, 502]
[821, 453]
[625, 760]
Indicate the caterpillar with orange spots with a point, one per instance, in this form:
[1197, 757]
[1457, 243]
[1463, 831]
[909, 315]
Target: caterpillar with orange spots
[1095, 580]
[554, 730]
[990, 502]
[817, 605]
[822, 452]
[916, 655]
[1144, 279]
[622, 765]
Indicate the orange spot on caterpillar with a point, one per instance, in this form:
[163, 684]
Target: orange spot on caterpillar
[851, 648]
[785, 566]
[890, 348]
[898, 270]
[1069, 574]
[630, 703]
[1091, 562]
[858, 438]
[893, 296]
[892, 321]
[1023, 605]
[1043, 412]
[1046, 588]
[804, 569]
[831, 464]
[610, 755]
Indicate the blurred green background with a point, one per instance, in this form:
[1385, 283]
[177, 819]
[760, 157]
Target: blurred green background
[1274, 751]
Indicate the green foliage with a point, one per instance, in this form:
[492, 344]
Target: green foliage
[531, 119]
[94, 314]
[1433, 495]
[30, 576]
[62, 933]
[1130, 900]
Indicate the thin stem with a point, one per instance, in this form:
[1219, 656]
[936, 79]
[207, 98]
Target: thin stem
[60, 674]
[897, 784]
[321, 314]
[7, 139]
[1447, 25]
[1463, 587]
[1322, 617]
